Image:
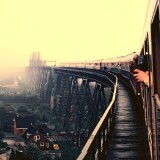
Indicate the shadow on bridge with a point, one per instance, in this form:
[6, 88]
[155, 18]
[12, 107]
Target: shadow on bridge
[128, 139]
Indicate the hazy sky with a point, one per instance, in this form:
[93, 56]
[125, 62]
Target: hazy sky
[69, 30]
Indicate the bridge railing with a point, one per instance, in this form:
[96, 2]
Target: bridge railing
[96, 145]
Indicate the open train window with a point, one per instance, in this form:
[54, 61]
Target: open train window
[156, 52]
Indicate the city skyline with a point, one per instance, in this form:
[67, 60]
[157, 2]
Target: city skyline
[69, 30]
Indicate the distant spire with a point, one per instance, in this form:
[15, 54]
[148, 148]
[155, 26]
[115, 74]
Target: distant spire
[35, 59]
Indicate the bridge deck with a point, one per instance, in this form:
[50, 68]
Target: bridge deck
[127, 139]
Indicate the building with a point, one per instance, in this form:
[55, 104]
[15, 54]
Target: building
[21, 124]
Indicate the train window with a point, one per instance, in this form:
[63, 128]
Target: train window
[143, 61]
[156, 52]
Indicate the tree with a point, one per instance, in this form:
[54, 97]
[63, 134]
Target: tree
[45, 157]
[22, 109]
[1, 104]
[12, 155]
[2, 144]
[33, 152]
[1, 135]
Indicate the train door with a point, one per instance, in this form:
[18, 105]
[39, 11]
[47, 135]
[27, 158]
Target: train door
[144, 64]
[156, 53]
[155, 40]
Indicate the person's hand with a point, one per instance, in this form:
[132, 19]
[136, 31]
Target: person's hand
[140, 76]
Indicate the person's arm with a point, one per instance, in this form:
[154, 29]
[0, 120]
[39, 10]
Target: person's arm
[141, 76]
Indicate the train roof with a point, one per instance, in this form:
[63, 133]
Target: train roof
[127, 58]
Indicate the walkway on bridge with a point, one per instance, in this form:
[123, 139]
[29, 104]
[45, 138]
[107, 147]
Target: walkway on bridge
[127, 140]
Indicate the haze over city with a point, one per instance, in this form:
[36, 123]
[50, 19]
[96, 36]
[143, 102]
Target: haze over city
[69, 30]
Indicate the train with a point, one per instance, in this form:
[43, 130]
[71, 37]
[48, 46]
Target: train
[122, 66]
[148, 61]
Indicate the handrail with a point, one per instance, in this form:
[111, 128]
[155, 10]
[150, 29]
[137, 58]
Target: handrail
[95, 131]
[157, 100]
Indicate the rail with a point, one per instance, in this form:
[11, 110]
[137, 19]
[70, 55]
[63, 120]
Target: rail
[96, 145]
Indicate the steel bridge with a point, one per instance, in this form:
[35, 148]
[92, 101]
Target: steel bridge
[98, 108]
